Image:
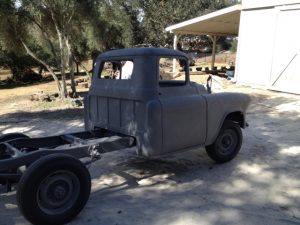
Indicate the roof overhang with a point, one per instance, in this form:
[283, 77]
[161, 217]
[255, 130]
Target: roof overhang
[224, 22]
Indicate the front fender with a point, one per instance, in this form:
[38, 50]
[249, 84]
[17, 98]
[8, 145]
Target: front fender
[219, 106]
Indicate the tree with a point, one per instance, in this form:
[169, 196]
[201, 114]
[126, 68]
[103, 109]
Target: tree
[50, 16]
[17, 61]
[15, 30]
[158, 14]
[62, 33]
[121, 24]
[49, 25]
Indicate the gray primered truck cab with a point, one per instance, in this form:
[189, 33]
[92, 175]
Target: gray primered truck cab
[162, 113]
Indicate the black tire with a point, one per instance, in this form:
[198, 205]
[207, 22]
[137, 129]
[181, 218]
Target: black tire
[54, 189]
[12, 136]
[227, 144]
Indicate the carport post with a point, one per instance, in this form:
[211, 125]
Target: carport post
[175, 41]
[213, 57]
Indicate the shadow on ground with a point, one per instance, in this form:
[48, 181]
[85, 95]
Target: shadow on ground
[43, 123]
[260, 186]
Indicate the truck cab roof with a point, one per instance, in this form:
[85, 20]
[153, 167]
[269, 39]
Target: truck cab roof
[142, 52]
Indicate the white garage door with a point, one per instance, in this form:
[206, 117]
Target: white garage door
[285, 75]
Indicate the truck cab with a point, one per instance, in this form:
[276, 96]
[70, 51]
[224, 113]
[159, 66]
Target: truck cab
[134, 92]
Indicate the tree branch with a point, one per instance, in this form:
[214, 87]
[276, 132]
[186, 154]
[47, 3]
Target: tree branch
[29, 52]
[46, 37]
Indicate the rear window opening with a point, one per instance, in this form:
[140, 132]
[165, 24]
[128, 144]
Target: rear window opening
[116, 69]
[172, 72]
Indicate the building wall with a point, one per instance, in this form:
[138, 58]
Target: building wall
[269, 47]
[255, 44]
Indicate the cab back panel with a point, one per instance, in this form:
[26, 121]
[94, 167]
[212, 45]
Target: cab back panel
[117, 114]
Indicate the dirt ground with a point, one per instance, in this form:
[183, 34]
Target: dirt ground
[260, 186]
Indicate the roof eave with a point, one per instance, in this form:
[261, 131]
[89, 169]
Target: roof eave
[176, 27]
[204, 33]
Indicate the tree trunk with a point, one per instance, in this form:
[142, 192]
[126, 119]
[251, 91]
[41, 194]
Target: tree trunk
[72, 67]
[62, 66]
[41, 70]
[73, 87]
[64, 92]
[83, 67]
[85, 70]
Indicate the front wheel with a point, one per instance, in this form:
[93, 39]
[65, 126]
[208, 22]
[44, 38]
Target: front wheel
[54, 189]
[227, 144]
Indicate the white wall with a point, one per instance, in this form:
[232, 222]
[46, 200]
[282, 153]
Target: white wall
[285, 74]
[255, 46]
[269, 45]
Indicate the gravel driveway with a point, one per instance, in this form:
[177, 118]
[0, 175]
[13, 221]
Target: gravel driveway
[260, 186]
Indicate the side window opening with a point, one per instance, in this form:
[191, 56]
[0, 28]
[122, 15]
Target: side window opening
[172, 71]
[116, 69]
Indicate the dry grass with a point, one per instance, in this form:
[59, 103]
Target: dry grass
[4, 74]
[17, 99]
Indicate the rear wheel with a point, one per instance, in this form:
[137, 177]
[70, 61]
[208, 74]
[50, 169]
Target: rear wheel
[227, 144]
[54, 189]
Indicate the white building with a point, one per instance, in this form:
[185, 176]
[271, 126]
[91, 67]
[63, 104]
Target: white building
[268, 31]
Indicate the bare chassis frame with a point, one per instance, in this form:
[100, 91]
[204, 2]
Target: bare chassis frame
[20, 152]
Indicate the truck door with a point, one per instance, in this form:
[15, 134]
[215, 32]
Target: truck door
[183, 109]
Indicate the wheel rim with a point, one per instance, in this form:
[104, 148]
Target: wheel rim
[58, 192]
[227, 142]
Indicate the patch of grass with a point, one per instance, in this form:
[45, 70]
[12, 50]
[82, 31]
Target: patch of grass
[53, 105]
[242, 86]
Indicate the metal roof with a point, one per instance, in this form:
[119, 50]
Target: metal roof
[224, 22]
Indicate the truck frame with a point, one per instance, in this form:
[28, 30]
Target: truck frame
[131, 103]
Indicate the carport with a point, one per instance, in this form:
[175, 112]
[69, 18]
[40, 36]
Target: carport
[224, 22]
[268, 39]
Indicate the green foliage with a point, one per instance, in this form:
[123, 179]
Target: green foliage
[158, 14]
[19, 65]
[120, 25]
[223, 44]
[233, 47]
[89, 26]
